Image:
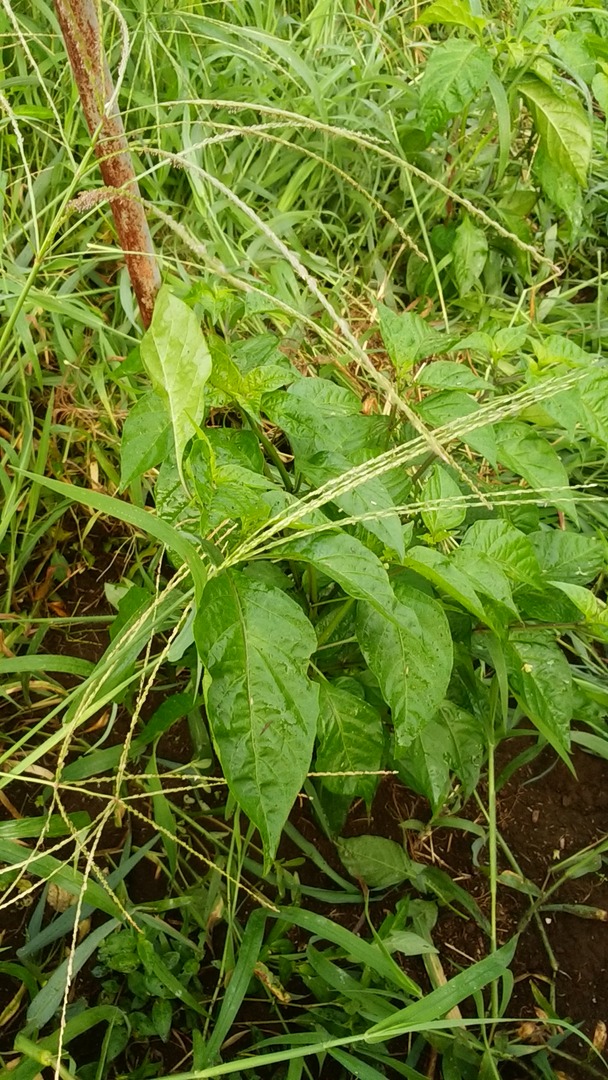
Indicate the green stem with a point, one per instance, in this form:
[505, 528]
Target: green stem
[532, 913]
[335, 621]
[493, 855]
[426, 464]
[269, 447]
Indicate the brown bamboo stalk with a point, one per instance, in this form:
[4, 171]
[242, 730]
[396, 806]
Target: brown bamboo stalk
[82, 35]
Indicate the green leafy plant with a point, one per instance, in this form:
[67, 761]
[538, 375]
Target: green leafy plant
[415, 573]
[336, 521]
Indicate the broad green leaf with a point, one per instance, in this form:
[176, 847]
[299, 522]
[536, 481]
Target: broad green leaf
[569, 556]
[439, 1002]
[452, 13]
[316, 415]
[572, 47]
[466, 744]
[509, 339]
[594, 396]
[469, 251]
[260, 381]
[226, 489]
[372, 496]
[599, 85]
[409, 650]
[455, 72]
[541, 679]
[547, 605]
[177, 359]
[261, 350]
[256, 642]
[350, 739]
[375, 860]
[594, 609]
[450, 375]
[346, 560]
[559, 186]
[247, 386]
[146, 438]
[162, 1017]
[424, 765]
[408, 338]
[528, 454]
[562, 125]
[486, 576]
[448, 405]
[441, 571]
[235, 446]
[440, 491]
[170, 496]
[508, 548]
[557, 349]
[453, 742]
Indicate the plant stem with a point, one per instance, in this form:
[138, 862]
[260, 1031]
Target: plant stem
[269, 447]
[493, 856]
[335, 621]
[83, 41]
